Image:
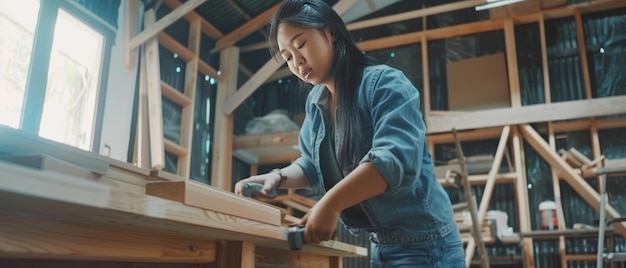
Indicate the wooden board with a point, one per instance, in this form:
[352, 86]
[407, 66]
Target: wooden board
[53, 216]
[207, 197]
[478, 83]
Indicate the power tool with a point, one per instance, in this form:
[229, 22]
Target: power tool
[253, 189]
[295, 236]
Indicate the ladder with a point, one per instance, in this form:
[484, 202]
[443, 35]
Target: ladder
[151, 144]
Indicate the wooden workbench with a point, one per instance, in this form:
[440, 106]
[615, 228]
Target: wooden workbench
[47, 215]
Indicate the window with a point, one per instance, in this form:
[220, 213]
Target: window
[16, 45]
[53, 57]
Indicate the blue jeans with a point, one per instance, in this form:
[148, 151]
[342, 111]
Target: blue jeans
[445, 252]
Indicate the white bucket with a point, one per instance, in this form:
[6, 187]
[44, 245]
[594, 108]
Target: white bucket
[547, 215]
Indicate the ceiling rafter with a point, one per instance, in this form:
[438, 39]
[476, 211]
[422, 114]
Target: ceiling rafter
[163, 23]
[249, 27]
[207, 28]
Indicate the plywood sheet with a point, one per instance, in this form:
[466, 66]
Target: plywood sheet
[478, 83]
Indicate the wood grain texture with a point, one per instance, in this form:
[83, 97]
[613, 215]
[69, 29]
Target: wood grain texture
[203, 196]
[52, 216]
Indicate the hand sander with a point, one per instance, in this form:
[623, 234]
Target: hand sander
[295, 233]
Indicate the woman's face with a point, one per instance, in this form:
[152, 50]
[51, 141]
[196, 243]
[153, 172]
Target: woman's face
[309, 53]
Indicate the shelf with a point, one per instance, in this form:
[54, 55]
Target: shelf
[265, 149]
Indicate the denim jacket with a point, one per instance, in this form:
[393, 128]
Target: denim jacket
[415, 207]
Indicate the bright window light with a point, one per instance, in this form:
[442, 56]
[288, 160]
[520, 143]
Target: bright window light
[73, 78]
[17, 24]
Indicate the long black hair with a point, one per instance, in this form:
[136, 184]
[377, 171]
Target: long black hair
[349, 63]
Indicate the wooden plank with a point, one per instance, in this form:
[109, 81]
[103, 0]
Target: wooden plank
[203, 196]
[544, 60]
[236, 254]
[511, 60]
[484, 26]
[174, 148]
[187, 118]
[207, 69]
[142, 146]
[342, 6]
[481, 179]
[433, 34]
[14, 141]
[221, 174]
[582, 51]
[490, 185]
[256, 141]
[587, 193]
[268, 258]
[131, 27]
[152, 29]
[527, 114]
[246, 29]
[438, 9]
[176, 47]
[206, 27]
[174, 95]
[251, 85]
[153, 87]
[425, 75]
[44, 238]
[38, 197]
[521, 193]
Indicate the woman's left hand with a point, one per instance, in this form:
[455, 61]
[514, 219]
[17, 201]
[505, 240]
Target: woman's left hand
[320, 223]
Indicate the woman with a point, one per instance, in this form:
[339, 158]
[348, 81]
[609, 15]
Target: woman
[363, 140]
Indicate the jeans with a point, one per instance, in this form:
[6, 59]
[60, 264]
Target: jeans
[445, 252]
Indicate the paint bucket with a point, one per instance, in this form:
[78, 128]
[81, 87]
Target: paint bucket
[547, 215]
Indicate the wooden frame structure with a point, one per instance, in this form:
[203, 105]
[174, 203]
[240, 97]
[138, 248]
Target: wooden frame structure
[477, 125]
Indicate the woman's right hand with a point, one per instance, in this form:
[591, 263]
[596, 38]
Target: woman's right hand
[269, 180]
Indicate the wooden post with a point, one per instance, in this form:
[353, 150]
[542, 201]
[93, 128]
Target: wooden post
[521, 190]
[155, 106]
[221, 175]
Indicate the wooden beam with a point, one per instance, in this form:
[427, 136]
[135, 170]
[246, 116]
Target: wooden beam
[484, 26]
[433, 34]
[235, 254]
[206, 27]
[207, 197]
[527, 114]
[244, 30]
[131, 16]
[489, 186]
[579, 184]
[582, 50]
[521, 194]
[512, 66]
[438, 9]
[544, 60]
[153, 88]
[152, 30]
[221, 174]
[342, 6]
[187, 117]
[425, 75]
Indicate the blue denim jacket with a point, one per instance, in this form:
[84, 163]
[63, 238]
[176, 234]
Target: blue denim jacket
[415, 207]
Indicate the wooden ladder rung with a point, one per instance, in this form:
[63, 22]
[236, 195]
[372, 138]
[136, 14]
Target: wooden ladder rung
[206, 69]
[174, 46]
[176, 96]
[172, 147]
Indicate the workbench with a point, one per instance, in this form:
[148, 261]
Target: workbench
[52, 216]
